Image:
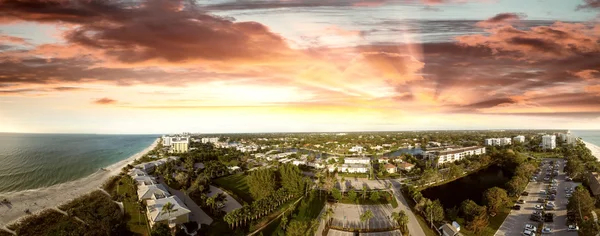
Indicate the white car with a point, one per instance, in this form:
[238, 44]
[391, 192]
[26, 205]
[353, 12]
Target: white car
[546, 230]
[530, 227]
[568, 195]
[539, 207]
[528, 233]
[573, 228]
[543, 192]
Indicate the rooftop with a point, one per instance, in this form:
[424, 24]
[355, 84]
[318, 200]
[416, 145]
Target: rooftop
[155, 208]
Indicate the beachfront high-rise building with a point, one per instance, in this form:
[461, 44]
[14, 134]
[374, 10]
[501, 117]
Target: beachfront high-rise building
[568, 138]
[498, 141]
[166, 140]
[549, 142]
[179, 144]
[519, 139]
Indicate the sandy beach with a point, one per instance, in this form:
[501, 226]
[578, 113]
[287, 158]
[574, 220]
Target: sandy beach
[37, 200]
[595, 149]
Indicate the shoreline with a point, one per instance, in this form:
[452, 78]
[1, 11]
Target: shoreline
[593, 148]
[37, 200]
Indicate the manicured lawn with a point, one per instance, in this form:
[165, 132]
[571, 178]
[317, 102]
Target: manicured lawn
[136, 218]
[237, 185]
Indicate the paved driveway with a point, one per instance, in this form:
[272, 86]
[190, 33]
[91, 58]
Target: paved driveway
[348, 215]
[514, 223]
[198, 215]
[230, 203]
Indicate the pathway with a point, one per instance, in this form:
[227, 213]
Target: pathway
[413, 225]
[230, 203]
[198, 215]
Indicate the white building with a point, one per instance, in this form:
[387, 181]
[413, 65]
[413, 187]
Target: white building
[452, 155]
[567, 137]
[180, 144]
[166, 140]
[519, 139]
[357, 160]
[210, 140]
[498, 141]
[350, 168]
[549, 142]
[179, 214]
[390, 168]
[356, 148]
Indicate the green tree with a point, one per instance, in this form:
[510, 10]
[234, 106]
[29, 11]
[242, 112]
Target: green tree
[581, 202]
[375, 196]
[161, 229]
[479, 222]
[168, 209]
[297, 228]
[366, 216]
[495, 198]
[364, 192]
[261, 183]
[455, 171]
[402, 219]
[470, 209]
[352, 195]
[337, 194]
[434, 212]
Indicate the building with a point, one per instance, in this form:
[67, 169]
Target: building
[357, 160]
[405, 166]
[383, 160]
[350, 168]
[548, 142]
[390, 168]
[449, 229]
[519, 139]
[166, 140]
[152, 192]
[498, 141]
[234, 169]
[156, 214]
[453, 154]
[144, 180]
[594, 179]
[356, 148]
[210, 140]
[180, 144]
[571, 139]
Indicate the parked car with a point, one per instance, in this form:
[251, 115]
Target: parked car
[516, 207]
[546, 230]
[573, 228]
[536, 218]
[568, 195]
[530, 227]
[541, 200]
[525, 193]
[552, 197]
[549, 217]
[529, 233]
[539, 207]
[520, 201]
[543, 192]
[568, 178]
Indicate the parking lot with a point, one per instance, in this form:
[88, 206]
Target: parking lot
[333, 232]
[514, 223]
[348, 216]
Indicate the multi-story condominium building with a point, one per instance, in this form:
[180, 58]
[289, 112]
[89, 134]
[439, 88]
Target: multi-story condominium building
[357, 160]
[549, 142]
[166, 140]
[210, 140]
[350, 168]
[180, 144]
[519, 139]
[567, 137]
[452, 155]
[179, 214]
[498, 141]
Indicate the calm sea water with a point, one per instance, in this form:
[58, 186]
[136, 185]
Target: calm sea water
[590, 136]
[29, 161]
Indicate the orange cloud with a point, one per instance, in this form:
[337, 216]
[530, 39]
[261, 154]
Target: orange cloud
[595, 89]
[104, 101]
[588, 74]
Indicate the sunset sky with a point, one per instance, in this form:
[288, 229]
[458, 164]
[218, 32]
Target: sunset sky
[166, 66]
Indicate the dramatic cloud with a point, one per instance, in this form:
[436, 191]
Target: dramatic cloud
[560, 40]
[589, 4]
[104, 101]
[70, 11]
[595, 89]
[12, 39]
[588, 74]
[501, 19]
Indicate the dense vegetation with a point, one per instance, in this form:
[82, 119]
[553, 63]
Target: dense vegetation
[99, 213]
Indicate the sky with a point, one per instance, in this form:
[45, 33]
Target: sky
[168, 66]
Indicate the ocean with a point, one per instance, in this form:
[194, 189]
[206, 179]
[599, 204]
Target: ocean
[30, 161]
[590, 136]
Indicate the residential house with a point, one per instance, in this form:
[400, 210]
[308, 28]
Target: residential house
[156, 214]
[144, 180]
[137, 172]
[390, 168]
[405, 166]
[148, 192]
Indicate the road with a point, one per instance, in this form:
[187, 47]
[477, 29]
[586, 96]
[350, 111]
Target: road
[413, 225]
[514, 223]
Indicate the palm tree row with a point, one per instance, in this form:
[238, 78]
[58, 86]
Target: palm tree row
[258, 209]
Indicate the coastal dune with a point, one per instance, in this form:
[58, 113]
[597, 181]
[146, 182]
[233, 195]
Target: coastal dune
[595, 149]
[36, 200]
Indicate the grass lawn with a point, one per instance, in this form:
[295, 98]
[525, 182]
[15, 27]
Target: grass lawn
[490, 230]
[237, 185]
[136, 220]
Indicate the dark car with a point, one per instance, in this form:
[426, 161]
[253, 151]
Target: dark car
[535, 218]
[549, 217]
[552, 197]
[541, 200]
[516, 207]
[525, 193]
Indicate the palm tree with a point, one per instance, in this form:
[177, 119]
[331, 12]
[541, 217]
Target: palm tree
[364, 192]
[365, 217]
[168, 209]
[328, 214]
[401, 219]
